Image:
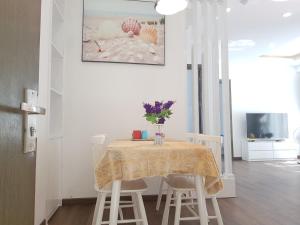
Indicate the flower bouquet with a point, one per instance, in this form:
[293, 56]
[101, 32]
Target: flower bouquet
[157, 114]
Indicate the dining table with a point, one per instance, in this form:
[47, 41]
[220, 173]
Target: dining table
[125, 160]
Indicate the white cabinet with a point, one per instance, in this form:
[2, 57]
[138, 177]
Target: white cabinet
[269, 150]
[260, 146]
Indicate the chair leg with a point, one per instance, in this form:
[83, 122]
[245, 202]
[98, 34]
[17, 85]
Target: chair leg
[114, 202]
[121, 214]
[165, 219]
[200, 194]
[96, 208]
[136, 209]
[217, 210]
[178, 208]
[98, 213]
[160, 194]
[192, 199]
[142, 208]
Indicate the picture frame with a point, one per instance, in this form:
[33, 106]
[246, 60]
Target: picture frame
[122, 31]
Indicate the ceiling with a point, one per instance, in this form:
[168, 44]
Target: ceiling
[258, 28]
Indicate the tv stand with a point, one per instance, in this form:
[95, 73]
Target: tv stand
[264, 150]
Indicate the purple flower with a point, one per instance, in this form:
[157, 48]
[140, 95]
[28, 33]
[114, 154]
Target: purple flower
[161, 120]
[168, 104]
[148, 108]
[158, 104]
[158, 107]
[157, 110]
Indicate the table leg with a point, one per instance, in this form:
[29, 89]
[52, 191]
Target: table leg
[201, 200]
[114, 205]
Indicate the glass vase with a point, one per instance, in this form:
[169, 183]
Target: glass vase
[159, 135]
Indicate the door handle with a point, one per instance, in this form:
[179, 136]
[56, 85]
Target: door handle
[31, 109]
[30, 112]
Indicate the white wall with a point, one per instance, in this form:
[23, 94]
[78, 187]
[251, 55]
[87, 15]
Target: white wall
[107, 98]
[263, 85]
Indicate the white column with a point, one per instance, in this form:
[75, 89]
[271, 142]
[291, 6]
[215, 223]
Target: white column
[215, 92]
[206, 116]
[195, 61]
[210, 67]
[211, 35]
[225, 88]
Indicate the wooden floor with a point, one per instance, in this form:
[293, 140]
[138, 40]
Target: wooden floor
[268, 194]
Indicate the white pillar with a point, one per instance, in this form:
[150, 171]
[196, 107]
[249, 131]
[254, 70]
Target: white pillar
[195, 61]
[215, 91]
[212, 27]
[225, 88]
[206, 116]
[210, 73]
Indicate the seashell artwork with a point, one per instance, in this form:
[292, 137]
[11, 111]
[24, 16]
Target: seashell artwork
[122, 33]
[131, 26]
[149, 34]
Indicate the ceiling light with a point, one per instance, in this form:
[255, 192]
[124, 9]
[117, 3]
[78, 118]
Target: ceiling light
[228, 10]
[169, 7]
[287, 14]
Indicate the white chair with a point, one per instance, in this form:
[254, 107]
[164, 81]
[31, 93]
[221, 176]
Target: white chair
[213, 142]
[133, 188]
[182, 188]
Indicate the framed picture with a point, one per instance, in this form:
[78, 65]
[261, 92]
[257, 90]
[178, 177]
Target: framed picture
[123, 31]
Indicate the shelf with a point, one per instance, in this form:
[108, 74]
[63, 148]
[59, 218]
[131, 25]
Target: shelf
[54, 176]
[57, 73]
[56, 114]
[57, 11]
[57, 30]
[55, 122]
[56, 52]
[59, 93]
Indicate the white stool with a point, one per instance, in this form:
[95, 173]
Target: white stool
[185, 186]
[182, 189]
[132, 188]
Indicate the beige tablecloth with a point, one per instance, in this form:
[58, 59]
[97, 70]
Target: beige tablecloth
[129, 160]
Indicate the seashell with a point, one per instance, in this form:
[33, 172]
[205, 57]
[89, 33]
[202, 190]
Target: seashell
[130, 33]
[149, 34]
[152, 50]
[132, 26]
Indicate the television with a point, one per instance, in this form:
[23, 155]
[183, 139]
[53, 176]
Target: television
[273, 126]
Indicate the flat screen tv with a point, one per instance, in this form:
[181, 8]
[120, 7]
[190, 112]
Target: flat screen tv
[273, 126]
